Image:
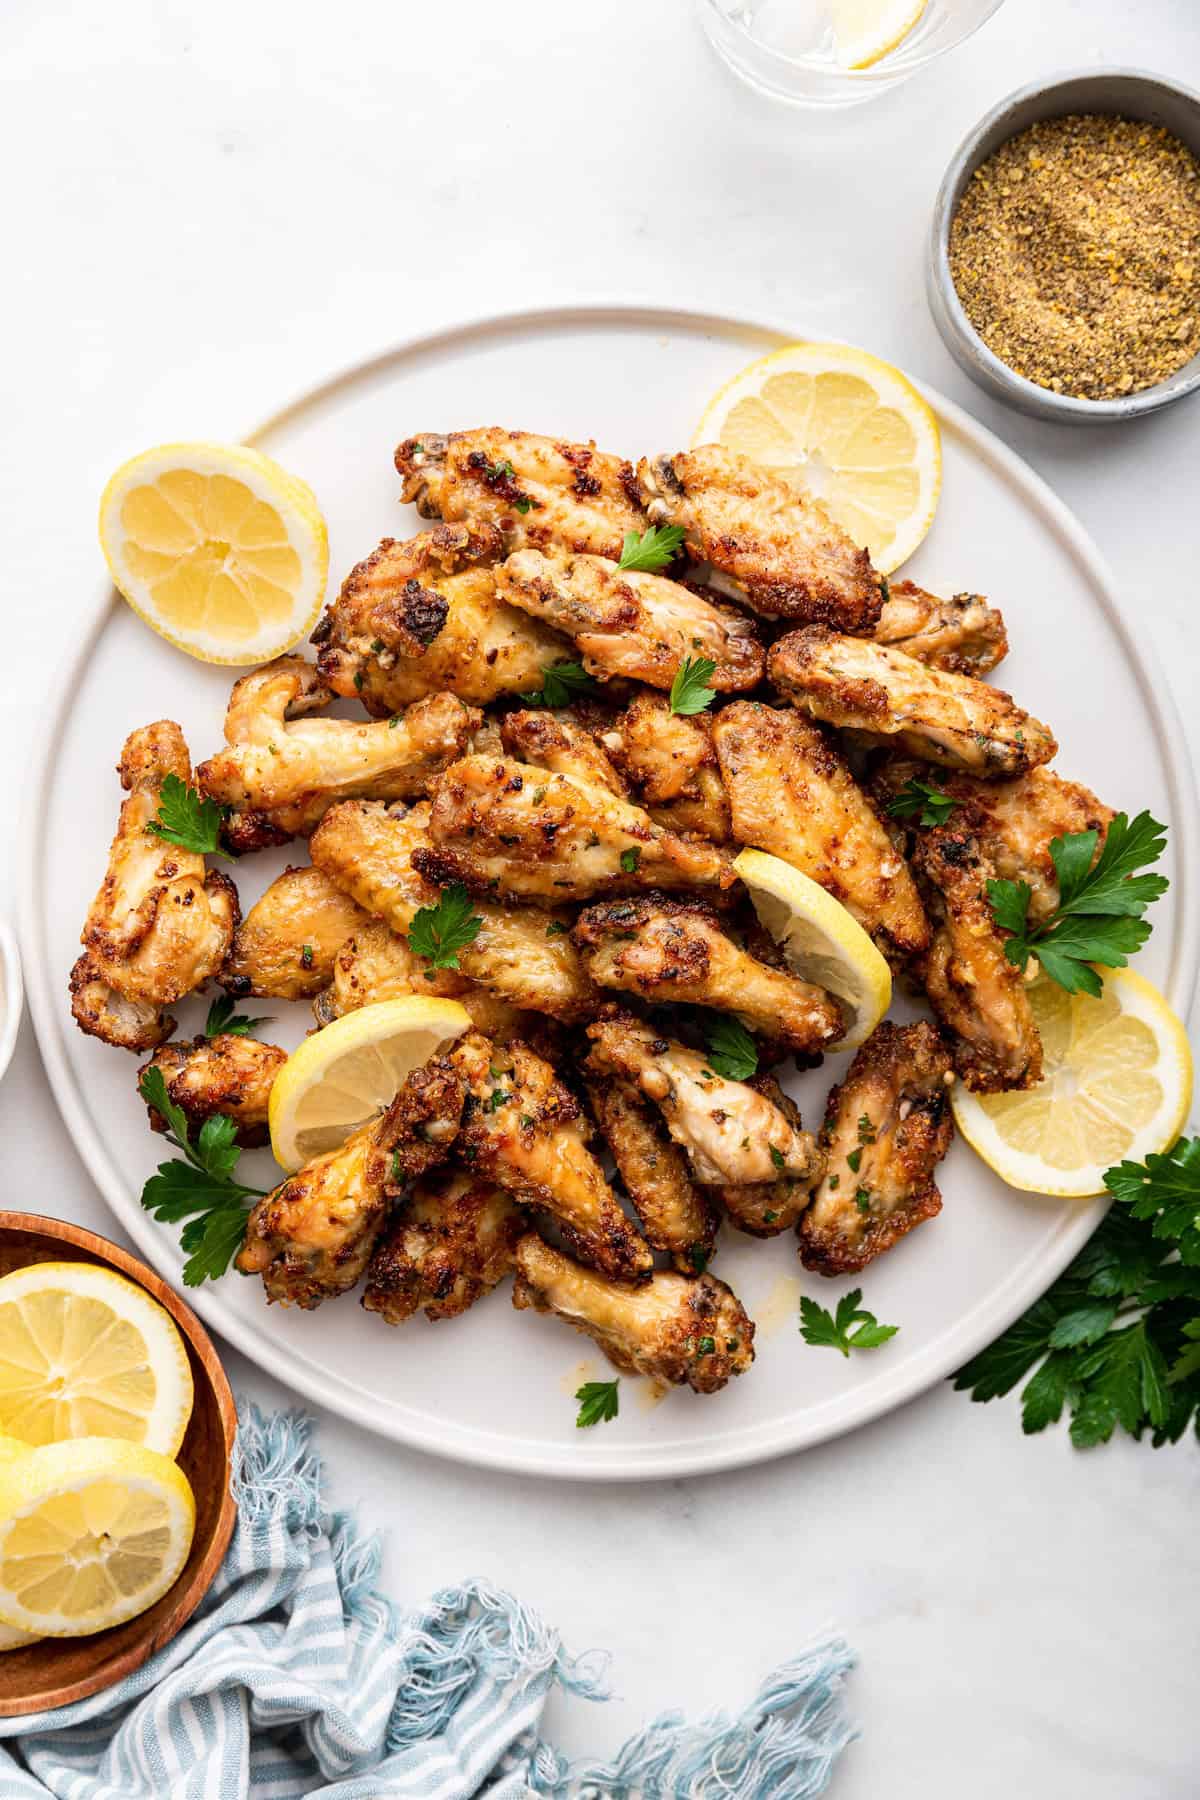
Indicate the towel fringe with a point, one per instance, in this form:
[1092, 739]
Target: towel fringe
[276, 1473]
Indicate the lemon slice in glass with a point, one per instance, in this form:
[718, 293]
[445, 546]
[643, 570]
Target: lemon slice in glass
[865, 31]
[1117, 1084]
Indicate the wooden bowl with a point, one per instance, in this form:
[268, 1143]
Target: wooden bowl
[56, 1670]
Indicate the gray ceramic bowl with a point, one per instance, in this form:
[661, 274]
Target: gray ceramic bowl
[1130, 92]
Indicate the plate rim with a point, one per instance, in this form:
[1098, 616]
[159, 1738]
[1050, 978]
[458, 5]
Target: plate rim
[517, 1455]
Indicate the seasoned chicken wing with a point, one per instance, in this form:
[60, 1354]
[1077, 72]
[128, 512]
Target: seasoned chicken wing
[554, 740]
[731, 1132]
[159, 926]
[670, 763]
[978, 995]
[674, 1212]
[523, 833]
[423, 617]
[280, 772]
[224, 1074]
[374, 964]
[524, 1129]
[625, 623]
[768, 542]
[676, 951]
[523, 954]
[963, 634]
[284, 947]
[764, 1209]
[689, 1333]
[536, 490]
[449, 1243]
[791, 793]
[943, 718]
[887, 1126]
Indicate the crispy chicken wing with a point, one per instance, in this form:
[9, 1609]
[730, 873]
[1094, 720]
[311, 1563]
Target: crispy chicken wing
[670, 763]
[640, 626]
[523, 833]
[674, 1213]
[536, 490]
[769, 543]
[449, 1243]
[554, 740]
[424, 616]
[689, 1333]
[676, 951]
[524, 1129]
[374, 964]
[280, 772]
[791, 793]
[943, 718]
[963, 634]
[978, 995]
[225, 1074]
[523, 954]
[887, 1126]
[284, 947]
[763, 1209]
[159, 926]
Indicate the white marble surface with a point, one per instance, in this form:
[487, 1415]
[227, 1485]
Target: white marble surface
[202, 212]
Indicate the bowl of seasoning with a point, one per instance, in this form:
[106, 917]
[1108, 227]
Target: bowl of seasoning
[1064, 254]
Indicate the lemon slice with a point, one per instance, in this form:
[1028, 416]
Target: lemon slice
[865, 31]
[820, 940]
[86, 1353]
[11, 1638]
[1118, 1083]
[853, 429]
[91, 1533]
[217, 548]
[347, 1073]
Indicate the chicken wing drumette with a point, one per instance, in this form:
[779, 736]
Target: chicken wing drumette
[887, 1126]
[556, 741]
[538, 491]
[670, 764]
[374, 964]
[285, 946]
[874, 689]
[963, 634]
[672, 951]
[768, 542]
[225, 1074]
[159, 926]
[449, 1243]
[280, 772]
[675, 1214]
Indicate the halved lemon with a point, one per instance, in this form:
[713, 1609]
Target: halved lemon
[86, 1353]
[852, 428]
[865, 31]
[11, 1638]
[344, 1075]
[820, 940]
[91, 1533]
[1117, 1084]
[217, 548]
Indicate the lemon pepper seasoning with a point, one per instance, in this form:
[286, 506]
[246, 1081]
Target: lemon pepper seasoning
[1075, 251]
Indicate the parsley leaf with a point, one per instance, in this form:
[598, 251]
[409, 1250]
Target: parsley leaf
[631, 858]
[224, 1021]
[559, 683]
[186, 818]
[201, 1188]
[651, 550]
[689, 690]
[921, 801]
[597, 1402]
[732, 1051]
[438, 933]
[850, 1327]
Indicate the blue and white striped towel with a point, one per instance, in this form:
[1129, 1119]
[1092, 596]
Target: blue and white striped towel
[297, 1680]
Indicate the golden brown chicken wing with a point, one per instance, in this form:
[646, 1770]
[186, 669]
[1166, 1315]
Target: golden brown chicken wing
[674, 1213]
[554, 740]
[963, 634]
[284, 947]
[764, 1209]
[887, 1126]
[374, 964]
[224, 1074]
[768, 542]
[689, 1333]
[449, 1243]
[670, 764]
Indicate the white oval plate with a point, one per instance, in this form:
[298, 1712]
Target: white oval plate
[495, 1387]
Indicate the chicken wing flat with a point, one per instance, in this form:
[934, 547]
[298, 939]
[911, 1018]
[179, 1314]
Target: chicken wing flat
[978, 995]
[676, 951]
[963, 634]
[949, 719]
[689, 1333]
[224, 1074]
[539, 492]
[422, 616]
[764, 1209]
[554, 740]
[887, 1126]
[449, 1243]
[624, 623]
[791, 793]
[523, 1129]
[279, 772]
[523, 833]
[159, 926]
[670, 764]
[770, 544]
[674, 1213]
[523, 954]
[374, 964]
[285, 946]
[730, 1132]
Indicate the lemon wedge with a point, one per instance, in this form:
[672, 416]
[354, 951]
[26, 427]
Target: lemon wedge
[1117, 1084]
[853, 429]
[217, 548]
[865, 31]
[91, 1533]
[347, 1073]
[820, 940]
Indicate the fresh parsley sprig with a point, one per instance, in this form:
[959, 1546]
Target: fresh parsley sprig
[921, 801]
[224, 1021]
[651, 550]
[200, 1188]
[689, 691]
[187, 818]
[850, 1327]
[439, 932]
[561, 682]
[732, 1052]
[1098, 918]
[598, 1402]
